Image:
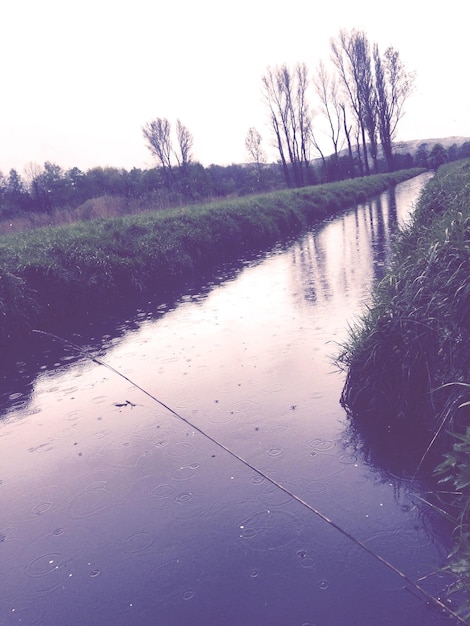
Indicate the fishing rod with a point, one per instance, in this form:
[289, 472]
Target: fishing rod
[433, 600]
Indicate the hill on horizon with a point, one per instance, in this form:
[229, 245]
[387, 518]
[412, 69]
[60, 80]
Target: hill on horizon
[402, 147]
[411, 146]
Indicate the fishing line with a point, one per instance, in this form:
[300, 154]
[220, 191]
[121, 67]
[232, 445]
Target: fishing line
[271, 480]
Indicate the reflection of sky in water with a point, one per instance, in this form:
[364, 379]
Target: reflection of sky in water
[114, 511]
[339, 261]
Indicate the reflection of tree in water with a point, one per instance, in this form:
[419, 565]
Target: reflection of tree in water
[396, 459]
[400, 451]
[308, 259]
[393, 462]
[23, 362]
[344, 256]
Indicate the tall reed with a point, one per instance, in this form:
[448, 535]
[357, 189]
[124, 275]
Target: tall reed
[415, 334]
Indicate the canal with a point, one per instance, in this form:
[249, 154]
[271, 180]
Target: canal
[194, 466]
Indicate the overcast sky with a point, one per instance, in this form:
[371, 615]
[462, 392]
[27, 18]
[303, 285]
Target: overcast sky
[80, 79]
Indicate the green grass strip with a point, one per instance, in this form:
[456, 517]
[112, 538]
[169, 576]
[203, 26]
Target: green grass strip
[49, 273]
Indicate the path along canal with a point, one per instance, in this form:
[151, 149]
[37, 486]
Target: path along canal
[115, 511]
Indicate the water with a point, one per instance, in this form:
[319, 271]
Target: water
[115, 511]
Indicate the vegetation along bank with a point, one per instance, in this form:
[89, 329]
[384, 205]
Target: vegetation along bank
[51, 273]
[408, 357]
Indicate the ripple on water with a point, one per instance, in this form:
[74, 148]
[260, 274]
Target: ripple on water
[15, 396]
[73, 416]
[242, 407]
[48, 572]
[138, 542]
[316, 486]
[101, 434]
[89, 503]
[184, 497]
[279, 429]
[162, 491]
[275, 452]
[41, 508]
[419, 537]
[67, 432]
[181, 448]
[176, 577]
[153, 433]
[222, 417]
[100, 399]
[184, 472]
[324, 465]
[348, 459]
[185, 403]
[42, 447]
[162, 443]
[43, 565]
[321, 445]
[270, 529]
[96, 486]
[41, 501]
[271, 496]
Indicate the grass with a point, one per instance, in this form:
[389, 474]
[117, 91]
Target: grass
[408, 357]
[454, 472]
[48, 274]
[414, 336]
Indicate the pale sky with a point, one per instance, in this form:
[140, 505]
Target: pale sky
[80, 79]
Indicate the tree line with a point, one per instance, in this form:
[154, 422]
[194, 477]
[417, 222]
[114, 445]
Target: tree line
[49, 188]
[358, 98]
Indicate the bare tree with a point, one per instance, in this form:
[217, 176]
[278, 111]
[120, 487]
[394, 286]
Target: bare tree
[351, 56]
[367, 92]
[330, 106]
[304, 114]
[285, 93]
[253, 146]
[347, 130]
[254, 150]
[275, 104]
[318, 148]
[158, 136]
[393, 86]
[185, 145]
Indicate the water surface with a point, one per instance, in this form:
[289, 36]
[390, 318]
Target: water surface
[116, 511]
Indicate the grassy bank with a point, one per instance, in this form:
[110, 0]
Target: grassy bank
[415, 335]
[408, 357]
[50, 273]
